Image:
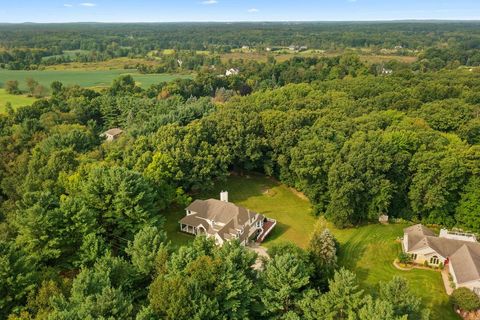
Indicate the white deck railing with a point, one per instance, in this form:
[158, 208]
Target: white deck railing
[265, 233]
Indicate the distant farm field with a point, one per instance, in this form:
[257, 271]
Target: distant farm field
[15, 100]
[84, 78]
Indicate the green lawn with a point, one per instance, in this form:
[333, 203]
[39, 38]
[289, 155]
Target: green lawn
[15, 100]
[368, 250]
[84, 78]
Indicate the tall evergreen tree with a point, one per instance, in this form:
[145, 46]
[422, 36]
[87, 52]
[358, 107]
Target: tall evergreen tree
[323, 251]
[284, 279]
[397, 293]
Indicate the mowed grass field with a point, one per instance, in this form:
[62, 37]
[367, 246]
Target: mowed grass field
[84, 78]
[368, 250]
[15, 100]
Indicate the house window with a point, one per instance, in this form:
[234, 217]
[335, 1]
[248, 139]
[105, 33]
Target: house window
[434, 260]
[414, 256]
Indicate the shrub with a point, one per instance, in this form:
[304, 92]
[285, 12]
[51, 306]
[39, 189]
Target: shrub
[452, 285]
[404, 258]
[425, 263]
[465, 299]
[441, 265]
[39, 91]
[11, 86]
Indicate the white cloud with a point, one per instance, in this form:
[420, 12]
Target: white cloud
[209, 2]
[68, 5]
[253, 10]
[88, 4]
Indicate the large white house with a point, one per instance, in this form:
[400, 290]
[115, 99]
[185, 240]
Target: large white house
[224, 221]
[458, 252]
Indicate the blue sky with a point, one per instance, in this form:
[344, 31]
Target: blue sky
[234, 10]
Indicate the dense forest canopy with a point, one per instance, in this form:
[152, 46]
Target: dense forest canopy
[82, 219]
[29, 45]
[199, 36]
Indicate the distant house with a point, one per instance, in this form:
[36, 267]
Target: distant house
[293, 48]
[245, 48]
[459, 252]
[112, 134]
[268, 49]
[386, 72]
[224, 221]
[303, 48]
[232, 72]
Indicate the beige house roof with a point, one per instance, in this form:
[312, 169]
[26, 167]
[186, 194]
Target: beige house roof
[223, 218]
[114, 131]
[464, 256]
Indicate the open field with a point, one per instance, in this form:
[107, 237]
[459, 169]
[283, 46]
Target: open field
[112, 64]
[67, 54]
[368, 250]
[15, 100]
[97, 78]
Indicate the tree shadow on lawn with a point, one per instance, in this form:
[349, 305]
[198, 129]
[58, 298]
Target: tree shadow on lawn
[240, 188]
[350, 253]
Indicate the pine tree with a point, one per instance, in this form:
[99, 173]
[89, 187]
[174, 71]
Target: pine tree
[145, 247]
[323, 251]
[284, 279]
[344, 297]
[376, 310]
[398, 294]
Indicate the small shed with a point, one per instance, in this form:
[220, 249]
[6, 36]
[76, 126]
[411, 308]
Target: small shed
[383, 219]
[112, 134]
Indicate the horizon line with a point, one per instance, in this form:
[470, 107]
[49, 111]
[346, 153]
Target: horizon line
[245, 21]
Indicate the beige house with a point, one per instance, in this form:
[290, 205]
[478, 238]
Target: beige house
[232, 72]
[112, 134]
[224, 221]
[458, 252]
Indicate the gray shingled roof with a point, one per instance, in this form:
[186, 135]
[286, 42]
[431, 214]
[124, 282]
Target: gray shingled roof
[447, 247]
[233, 218]
[466, 263]
[221, 211]
[416, 234]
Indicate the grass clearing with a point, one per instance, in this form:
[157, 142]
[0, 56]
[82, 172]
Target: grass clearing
[67, 54]
[15, 100]
[84, 78]
[367, 250]
[112, 64]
